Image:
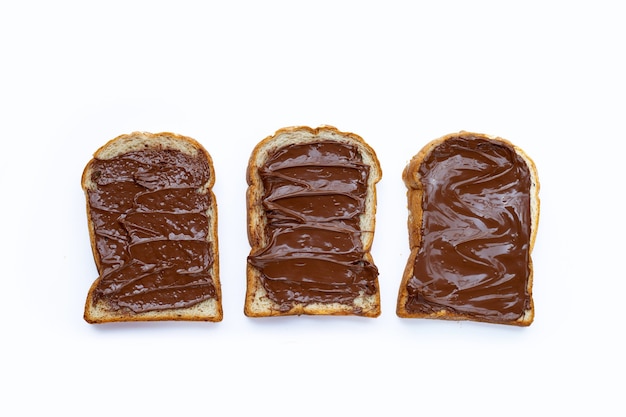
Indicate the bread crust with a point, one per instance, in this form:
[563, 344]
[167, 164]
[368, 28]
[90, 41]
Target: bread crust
[257, 303]
[208, 310]
[415, 195]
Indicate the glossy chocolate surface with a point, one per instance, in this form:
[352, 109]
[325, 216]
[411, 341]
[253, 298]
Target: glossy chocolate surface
[473, 259]
[150, 227]
[314, 195]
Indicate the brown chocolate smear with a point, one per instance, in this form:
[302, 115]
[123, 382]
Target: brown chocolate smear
[474, 255]
[314, 195]
[149, 212]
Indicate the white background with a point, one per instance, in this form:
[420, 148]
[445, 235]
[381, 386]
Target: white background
[547, 75]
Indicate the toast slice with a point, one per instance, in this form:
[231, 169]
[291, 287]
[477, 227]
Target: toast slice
[152, 220]
[473, 204]
[311, 204]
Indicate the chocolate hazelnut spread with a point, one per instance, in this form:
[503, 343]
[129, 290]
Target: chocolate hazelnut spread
[314, 195]
[150, 220]
[474, 254]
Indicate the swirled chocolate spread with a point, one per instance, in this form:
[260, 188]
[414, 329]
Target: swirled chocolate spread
[149, 213]
[314, 195]
[474, 254]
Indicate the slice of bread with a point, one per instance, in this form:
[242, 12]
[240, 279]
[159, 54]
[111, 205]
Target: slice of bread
[152, 220]
[311, 204]
[473, 204]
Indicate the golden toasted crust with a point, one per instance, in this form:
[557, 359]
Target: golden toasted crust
[257, 304]
[411, 179]
[208, 310]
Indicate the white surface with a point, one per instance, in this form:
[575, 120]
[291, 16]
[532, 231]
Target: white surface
[548, 76]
